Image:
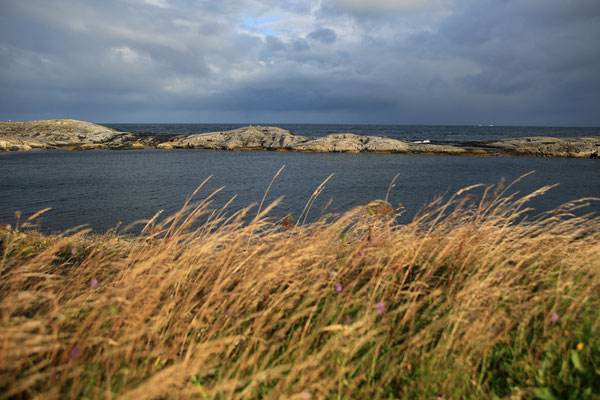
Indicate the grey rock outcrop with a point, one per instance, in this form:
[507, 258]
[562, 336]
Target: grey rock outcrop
[272, 138]
[540, 146]
[79, 135]
[55, 133]
[247, 138]
[351, 143]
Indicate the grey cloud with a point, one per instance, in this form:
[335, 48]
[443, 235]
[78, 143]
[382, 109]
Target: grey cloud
[299, 44]
[274, 43]
[510, 53]
[323, 35]
[378, 7]
[555, 12]
[450, 62]
[312, 95]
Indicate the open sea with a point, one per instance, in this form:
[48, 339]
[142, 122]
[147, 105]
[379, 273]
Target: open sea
[101, 188]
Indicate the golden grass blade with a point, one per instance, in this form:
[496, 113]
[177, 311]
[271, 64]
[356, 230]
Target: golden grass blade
[205, 304]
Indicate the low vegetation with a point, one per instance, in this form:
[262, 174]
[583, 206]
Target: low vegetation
[472, 299]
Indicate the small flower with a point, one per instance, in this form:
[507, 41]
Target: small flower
[580, 346]
[74, 250]
[93, 282]
[305, 395]
[499, 275]
[227, 313]
[409, 367]
[333, 274]
[101, 252]
[554, 317]
[75, 351]
[473, 316]
[361, 254]
[338, 287]
[348, 319]
[380, 308]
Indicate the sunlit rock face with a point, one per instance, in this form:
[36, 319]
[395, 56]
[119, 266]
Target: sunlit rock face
[58, 133]
[583, 147]
[249, 137]
[79, 135]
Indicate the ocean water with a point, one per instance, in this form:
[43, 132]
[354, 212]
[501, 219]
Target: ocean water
[101, 188]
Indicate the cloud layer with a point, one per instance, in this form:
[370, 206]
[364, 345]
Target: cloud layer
[383, 61]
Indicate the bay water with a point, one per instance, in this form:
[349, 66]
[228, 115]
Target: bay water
[101, 188]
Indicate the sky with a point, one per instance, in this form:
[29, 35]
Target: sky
[502, 62]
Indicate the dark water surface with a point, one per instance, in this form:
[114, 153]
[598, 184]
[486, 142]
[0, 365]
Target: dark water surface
[103, 187]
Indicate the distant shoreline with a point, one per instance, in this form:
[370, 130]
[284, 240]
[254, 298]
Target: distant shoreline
[79, 135]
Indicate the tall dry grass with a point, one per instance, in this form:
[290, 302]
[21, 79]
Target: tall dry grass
[470, 299]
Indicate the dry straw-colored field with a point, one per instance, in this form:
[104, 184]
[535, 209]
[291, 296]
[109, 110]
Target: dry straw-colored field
[469, 300]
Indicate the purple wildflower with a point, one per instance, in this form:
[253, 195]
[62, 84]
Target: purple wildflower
[74, 250]
[101, 252]
[380, 308]
[93, 282]
[227, 313]
[75, 351]
[554, 317]
[338, 287]
[499, 275]
[361, 254]
[348, 319]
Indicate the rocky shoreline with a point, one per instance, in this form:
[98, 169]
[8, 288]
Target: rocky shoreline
[79, 135]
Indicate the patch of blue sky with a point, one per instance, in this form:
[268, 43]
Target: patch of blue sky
[261, 25]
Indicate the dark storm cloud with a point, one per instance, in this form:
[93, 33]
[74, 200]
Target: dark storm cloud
[537, 54]
[323, 35]
[389, 61]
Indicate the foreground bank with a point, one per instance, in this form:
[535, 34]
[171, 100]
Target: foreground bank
[463, 304]
[80, 135]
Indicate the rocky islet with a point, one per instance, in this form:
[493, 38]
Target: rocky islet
[80, 135]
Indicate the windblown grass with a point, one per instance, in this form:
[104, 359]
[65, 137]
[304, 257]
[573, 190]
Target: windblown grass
[470, 300]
